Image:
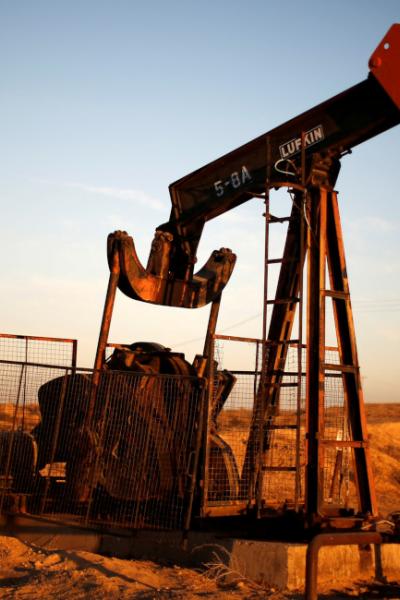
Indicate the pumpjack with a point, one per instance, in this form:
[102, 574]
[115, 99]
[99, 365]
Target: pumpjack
[303, 156]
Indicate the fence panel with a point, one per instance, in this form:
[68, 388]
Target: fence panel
[128, 467]
[39, 350]
[281, 429]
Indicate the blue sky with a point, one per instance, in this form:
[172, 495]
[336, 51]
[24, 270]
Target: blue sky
[103, 104]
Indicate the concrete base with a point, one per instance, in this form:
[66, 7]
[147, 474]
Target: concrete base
[276, 564]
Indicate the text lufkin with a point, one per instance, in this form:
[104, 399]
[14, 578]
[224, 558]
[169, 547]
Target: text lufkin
[316, 134]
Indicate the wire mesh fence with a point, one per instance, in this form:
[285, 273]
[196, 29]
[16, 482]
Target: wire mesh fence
[39, 350]
[129, 462]
[242, 434]
[339, 467]
[127, 466]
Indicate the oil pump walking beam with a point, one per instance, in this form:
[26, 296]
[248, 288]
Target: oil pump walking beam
[330, 130]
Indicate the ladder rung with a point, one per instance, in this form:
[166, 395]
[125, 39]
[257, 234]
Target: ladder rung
[342, 368]
[278, 469]
[336, 294]
[287, 373]
[272, 261]
[283, 301]
[277, 386]
[273, 219]
[256, 195]
[274, 426]
[282, 342]
[345, 443]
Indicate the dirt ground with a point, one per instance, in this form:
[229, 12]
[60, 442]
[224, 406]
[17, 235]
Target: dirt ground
[31, 572]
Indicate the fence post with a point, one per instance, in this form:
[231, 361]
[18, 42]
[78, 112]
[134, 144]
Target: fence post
[193, 465]
[11, 441]
[54, 440]
[209, 396]
[95, 460]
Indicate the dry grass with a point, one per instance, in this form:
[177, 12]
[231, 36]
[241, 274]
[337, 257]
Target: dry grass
[382, 413]
[29, 415]
[385, 452]
[384, 434]
[233, 425]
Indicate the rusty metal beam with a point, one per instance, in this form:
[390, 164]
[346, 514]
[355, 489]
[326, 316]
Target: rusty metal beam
[343, 317]
[104, 332]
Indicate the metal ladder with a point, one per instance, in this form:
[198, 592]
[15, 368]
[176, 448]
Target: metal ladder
[275, 347]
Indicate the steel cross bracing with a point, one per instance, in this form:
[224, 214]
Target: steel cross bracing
[314, 231]
[325, 243]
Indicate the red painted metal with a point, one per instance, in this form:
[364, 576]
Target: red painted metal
[385, 63]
